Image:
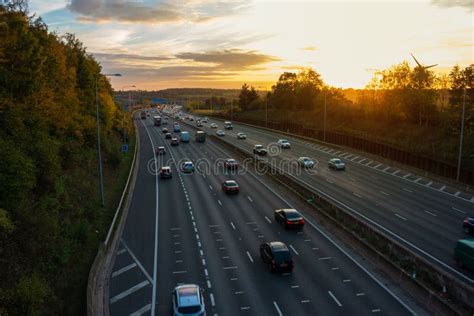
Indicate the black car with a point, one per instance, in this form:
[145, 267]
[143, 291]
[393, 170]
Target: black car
[277, 256]
[166, 173]
[165, 130]
[289, 218]
[168, 136]
[174, 141]
[468, 225]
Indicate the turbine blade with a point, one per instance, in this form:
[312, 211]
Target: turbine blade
[426, 67]
[419, 65]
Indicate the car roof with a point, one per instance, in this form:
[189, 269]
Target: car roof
[230, 182]
[161, 147]
[289, 210]
[230, 159]
[278, 246]
[188, 295]
[335, 159]
[166, 168]
[304, 158]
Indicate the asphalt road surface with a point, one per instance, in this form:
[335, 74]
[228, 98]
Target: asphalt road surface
[423, 214]
[186, 230]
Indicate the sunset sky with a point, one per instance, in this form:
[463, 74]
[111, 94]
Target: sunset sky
[200, 43]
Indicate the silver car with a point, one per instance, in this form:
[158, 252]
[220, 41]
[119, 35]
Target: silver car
[336, 164]
[220, 133]
[306, 162]
[283, 143]
[188, 301]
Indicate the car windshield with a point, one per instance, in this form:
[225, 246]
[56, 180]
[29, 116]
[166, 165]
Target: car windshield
[231, 184]
[189, 309]
[337, 161]
[258, 147]
[293, 215]
[283, 255]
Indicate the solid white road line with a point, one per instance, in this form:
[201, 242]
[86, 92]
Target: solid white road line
[294, 250]
[277, 308]
[124, 269]
[126, 293]
[155, 253]
[250, 257]
[335, 299]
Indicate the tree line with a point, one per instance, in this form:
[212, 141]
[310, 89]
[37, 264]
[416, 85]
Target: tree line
[51, 221]
[411, 108]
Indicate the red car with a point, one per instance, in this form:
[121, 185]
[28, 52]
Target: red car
[289, 218]
[230, 187]
[231, 164]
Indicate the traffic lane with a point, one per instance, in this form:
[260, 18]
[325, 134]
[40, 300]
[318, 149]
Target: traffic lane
[130, 287]
[139, 227]
[263, 204]
[180, 258]
[227, 293]
[187, 265]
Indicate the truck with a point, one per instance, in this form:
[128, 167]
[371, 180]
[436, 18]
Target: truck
[464, 253]
[228, 125]
[157, 120]
[185, 137]
[200, 136]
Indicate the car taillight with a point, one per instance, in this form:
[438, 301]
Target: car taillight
[302, 221]
[466, 221]
[289, 222]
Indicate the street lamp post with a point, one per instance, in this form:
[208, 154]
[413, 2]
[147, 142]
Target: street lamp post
[462, 135]
[231, 106]
[99, 156]
[123, 118]
[324, 131]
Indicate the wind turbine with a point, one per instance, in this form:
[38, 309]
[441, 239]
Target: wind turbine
[420, 65]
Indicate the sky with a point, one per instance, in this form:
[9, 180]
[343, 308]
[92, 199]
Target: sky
[203, 43]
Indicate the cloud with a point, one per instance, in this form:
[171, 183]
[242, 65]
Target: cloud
[230, 59]
[127, 57]
[310, 48]
[103, 11]
[467, 4]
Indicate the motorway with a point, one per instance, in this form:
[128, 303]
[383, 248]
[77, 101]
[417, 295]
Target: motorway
[423, 214]
[186, 230]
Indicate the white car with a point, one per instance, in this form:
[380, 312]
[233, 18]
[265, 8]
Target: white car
[241, 136]
[283, 143]
[188, 300]
[306, 162]
[220, 133]
[213, 125]
[336, 164]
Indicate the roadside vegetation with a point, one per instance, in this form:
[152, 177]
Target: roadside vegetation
[51, 221]
[413, 109]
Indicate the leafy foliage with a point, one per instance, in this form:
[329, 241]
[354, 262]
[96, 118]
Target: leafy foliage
[50, 219]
